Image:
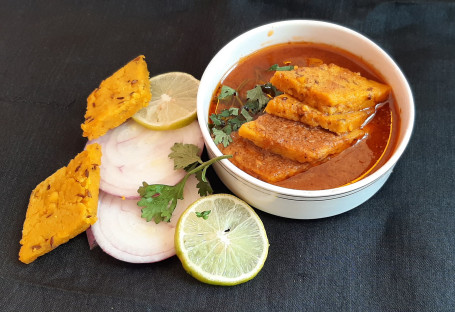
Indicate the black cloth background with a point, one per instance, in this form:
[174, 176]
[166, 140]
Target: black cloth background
[394, 253]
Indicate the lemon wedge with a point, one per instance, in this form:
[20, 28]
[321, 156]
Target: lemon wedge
[220, 240]
[173, 103]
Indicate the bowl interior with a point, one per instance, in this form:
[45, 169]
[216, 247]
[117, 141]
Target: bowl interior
[317, 32]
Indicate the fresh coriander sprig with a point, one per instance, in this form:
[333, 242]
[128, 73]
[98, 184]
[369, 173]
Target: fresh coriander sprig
[159, 200]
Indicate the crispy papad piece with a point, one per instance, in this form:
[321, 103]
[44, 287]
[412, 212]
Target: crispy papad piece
[331, 89]
[62, 206]
[288, 107]
[295, 140]
[117, 98]
[261, 163]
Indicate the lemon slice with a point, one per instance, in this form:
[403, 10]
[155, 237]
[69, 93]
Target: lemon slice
[173, 103]
[225, 245]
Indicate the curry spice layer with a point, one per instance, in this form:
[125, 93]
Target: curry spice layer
[62, 206]
[320, 114]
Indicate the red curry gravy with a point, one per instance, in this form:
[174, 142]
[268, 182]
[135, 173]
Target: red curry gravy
[366, 156]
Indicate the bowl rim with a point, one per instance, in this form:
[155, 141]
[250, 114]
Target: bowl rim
[259, 184]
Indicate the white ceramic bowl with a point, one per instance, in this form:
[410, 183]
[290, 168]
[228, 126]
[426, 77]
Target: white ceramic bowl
[292, 203]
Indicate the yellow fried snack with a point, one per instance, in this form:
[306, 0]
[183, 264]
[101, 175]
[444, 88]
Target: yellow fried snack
[259, 162]
[62, 206]
[117, 98]
[295, 140]
[331, 89]
[288, 107]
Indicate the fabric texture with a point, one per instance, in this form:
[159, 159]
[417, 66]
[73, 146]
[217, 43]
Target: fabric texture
[394, 253]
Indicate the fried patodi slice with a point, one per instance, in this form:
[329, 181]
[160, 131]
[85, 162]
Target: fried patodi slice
[62, 206]
[260, 163]
[288, 107]
[330, 88]
[295, 140]
[117, 98]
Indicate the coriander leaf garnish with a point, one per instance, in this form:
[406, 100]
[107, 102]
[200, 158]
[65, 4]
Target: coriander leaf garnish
[204, 214]
[159, 200]
[231, 119]
[226, 92]
[233, 111]
[246, 115]
[221, 137]
[271, 90]
[256, 94]
[184, 155]
[281, 68]
[217, 121]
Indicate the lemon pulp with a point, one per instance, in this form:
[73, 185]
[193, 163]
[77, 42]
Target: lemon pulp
[173, 103]
[228, 248]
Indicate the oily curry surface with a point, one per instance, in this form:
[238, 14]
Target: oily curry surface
[362, 158]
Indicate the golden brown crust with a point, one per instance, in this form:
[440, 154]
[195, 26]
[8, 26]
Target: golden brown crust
[261, 163]
[288, 107]
[117, 98]
[62, 206]
[295, 140]
[331, 89]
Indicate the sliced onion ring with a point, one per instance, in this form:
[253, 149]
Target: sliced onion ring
[133, 154]
[122, 233]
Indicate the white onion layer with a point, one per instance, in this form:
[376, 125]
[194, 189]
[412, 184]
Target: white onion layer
[122, 233]
[132, 154]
